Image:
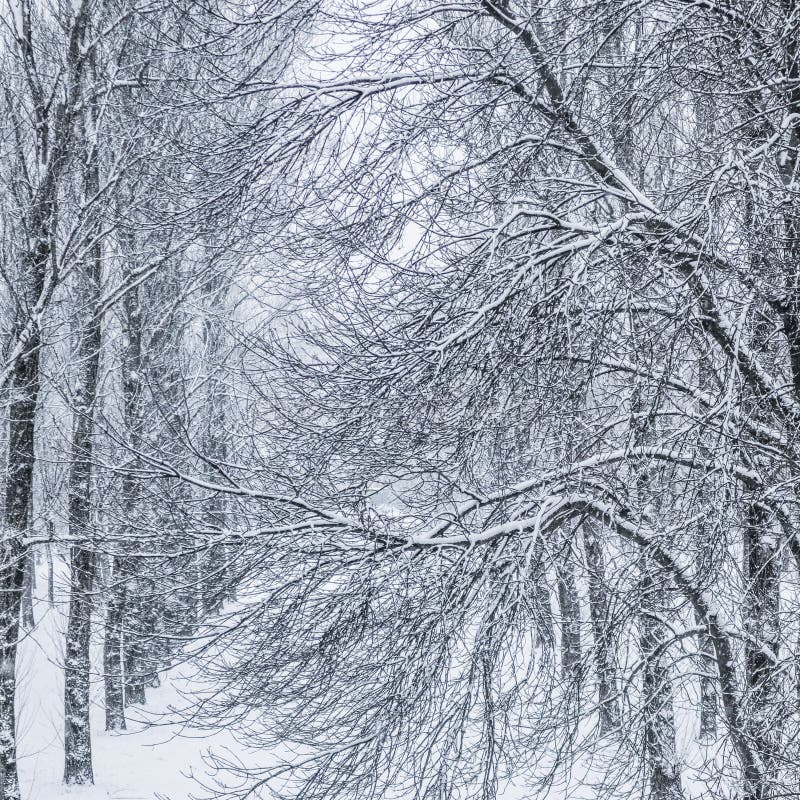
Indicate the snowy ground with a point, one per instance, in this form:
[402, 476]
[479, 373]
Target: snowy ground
[158, 757]
[146, 762]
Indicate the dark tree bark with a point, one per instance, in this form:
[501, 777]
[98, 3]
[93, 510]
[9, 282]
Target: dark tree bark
[214, 563]
[705, 646]
[544, 609]
[112, 650]
[705, 547]
[708, 689]
[123, 682]
[657, 701]
[28, 589]
[51, 595]
[761, 623]
[604, 660]
[77, 734]
[24, 391]
[541, 602]
[54, 138]
[570, 613]
[659, 715]
[19, 485]
[134, 648]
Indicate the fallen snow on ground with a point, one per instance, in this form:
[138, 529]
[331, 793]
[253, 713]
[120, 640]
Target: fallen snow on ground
[156, 757]
[160, 757]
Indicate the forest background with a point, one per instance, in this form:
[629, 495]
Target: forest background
[426, 375]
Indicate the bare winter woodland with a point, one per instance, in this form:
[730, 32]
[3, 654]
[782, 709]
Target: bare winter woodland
[424, 374]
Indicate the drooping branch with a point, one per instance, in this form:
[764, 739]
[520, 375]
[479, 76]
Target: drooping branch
[559, 510]
[678, 246]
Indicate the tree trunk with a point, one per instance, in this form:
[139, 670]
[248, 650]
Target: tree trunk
[134, 654]
[705, 644]
[112, 651]
[31, 293]
[540, 600]
[119, 651]
[214, 571]
[51, 592]
[544, 618]
[761, 624]
[657, 703]
[657, 706]
[24, 391]
[27, 591]
[77, 732]
[570, 613]
[604, 660]
[708, 691]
